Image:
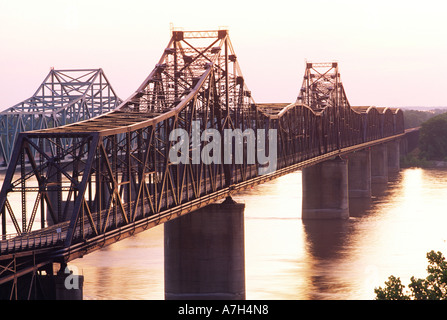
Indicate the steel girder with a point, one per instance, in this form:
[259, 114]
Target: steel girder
[116, 171]
[323, 91]
[91, 181]
[65, 96]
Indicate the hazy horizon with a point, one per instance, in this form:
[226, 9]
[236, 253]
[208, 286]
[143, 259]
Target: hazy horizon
[390, 53]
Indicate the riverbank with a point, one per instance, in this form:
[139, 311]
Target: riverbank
[414, 159]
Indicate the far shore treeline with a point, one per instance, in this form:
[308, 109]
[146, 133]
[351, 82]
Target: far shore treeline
[432, 150]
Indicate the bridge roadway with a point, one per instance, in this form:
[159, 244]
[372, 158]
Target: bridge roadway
[49, 242]
[116, 179]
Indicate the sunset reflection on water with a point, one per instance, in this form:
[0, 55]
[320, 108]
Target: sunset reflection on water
[287, 258]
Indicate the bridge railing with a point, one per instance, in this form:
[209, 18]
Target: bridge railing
[120, 168]
[31, 241]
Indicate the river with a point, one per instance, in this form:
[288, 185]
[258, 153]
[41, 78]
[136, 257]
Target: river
[291, 259]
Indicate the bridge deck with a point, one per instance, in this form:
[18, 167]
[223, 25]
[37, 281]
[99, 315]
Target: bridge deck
[55, 235]
[112, 176]
[112, 120]
[121, 119]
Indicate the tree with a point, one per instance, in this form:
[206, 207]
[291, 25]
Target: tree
[394, 290]
[433, 287]
[433, 138]
[414, 118]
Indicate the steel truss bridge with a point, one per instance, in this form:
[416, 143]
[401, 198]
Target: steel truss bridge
[65, 96]
[72, 189]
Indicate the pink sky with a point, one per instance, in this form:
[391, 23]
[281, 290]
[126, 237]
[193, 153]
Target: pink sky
[391, 53]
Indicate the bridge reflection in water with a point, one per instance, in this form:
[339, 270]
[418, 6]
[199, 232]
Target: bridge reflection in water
[115, 177]
[287, 258]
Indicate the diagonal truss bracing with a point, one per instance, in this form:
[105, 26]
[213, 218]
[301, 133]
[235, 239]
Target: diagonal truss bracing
[65, 96]
[116, 170]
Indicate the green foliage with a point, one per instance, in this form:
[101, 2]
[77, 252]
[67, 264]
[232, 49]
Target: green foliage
[433, 138]
[394, 290]
[433, 287]
[414, 159]
[414, 118]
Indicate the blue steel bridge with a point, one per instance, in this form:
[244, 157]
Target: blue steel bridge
[72, 189]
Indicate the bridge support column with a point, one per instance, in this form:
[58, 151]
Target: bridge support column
[359, 174]
[53, 197]
[325, 190]
[63, 285]
[393, 157]
[379, 164]
[204, 254]
[403, 147]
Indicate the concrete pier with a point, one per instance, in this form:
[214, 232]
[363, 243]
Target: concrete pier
[393, 150]
[379, 164]
[63, 285]
[205, 255]
[325, 190]
[359, 174]
[54, 194]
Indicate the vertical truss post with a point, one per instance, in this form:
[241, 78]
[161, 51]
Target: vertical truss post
[98, 188]
[227, 82]
[59, 179]
[338, 105]
[3, 213]
[129, 174]
[23, 190]
[124, 155]
[92, 146]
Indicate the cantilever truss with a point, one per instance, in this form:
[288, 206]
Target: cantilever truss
[116, 168]
[116, 172]
[322, 91]
[65, 96]
[322, 87]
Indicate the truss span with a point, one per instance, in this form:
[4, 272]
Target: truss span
[64, 97]
[116, 173]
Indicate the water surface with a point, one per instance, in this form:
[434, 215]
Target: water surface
[287, 258]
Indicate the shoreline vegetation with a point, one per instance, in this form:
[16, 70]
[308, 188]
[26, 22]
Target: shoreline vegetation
[414, 159]
[432, 148]
[430, 153]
